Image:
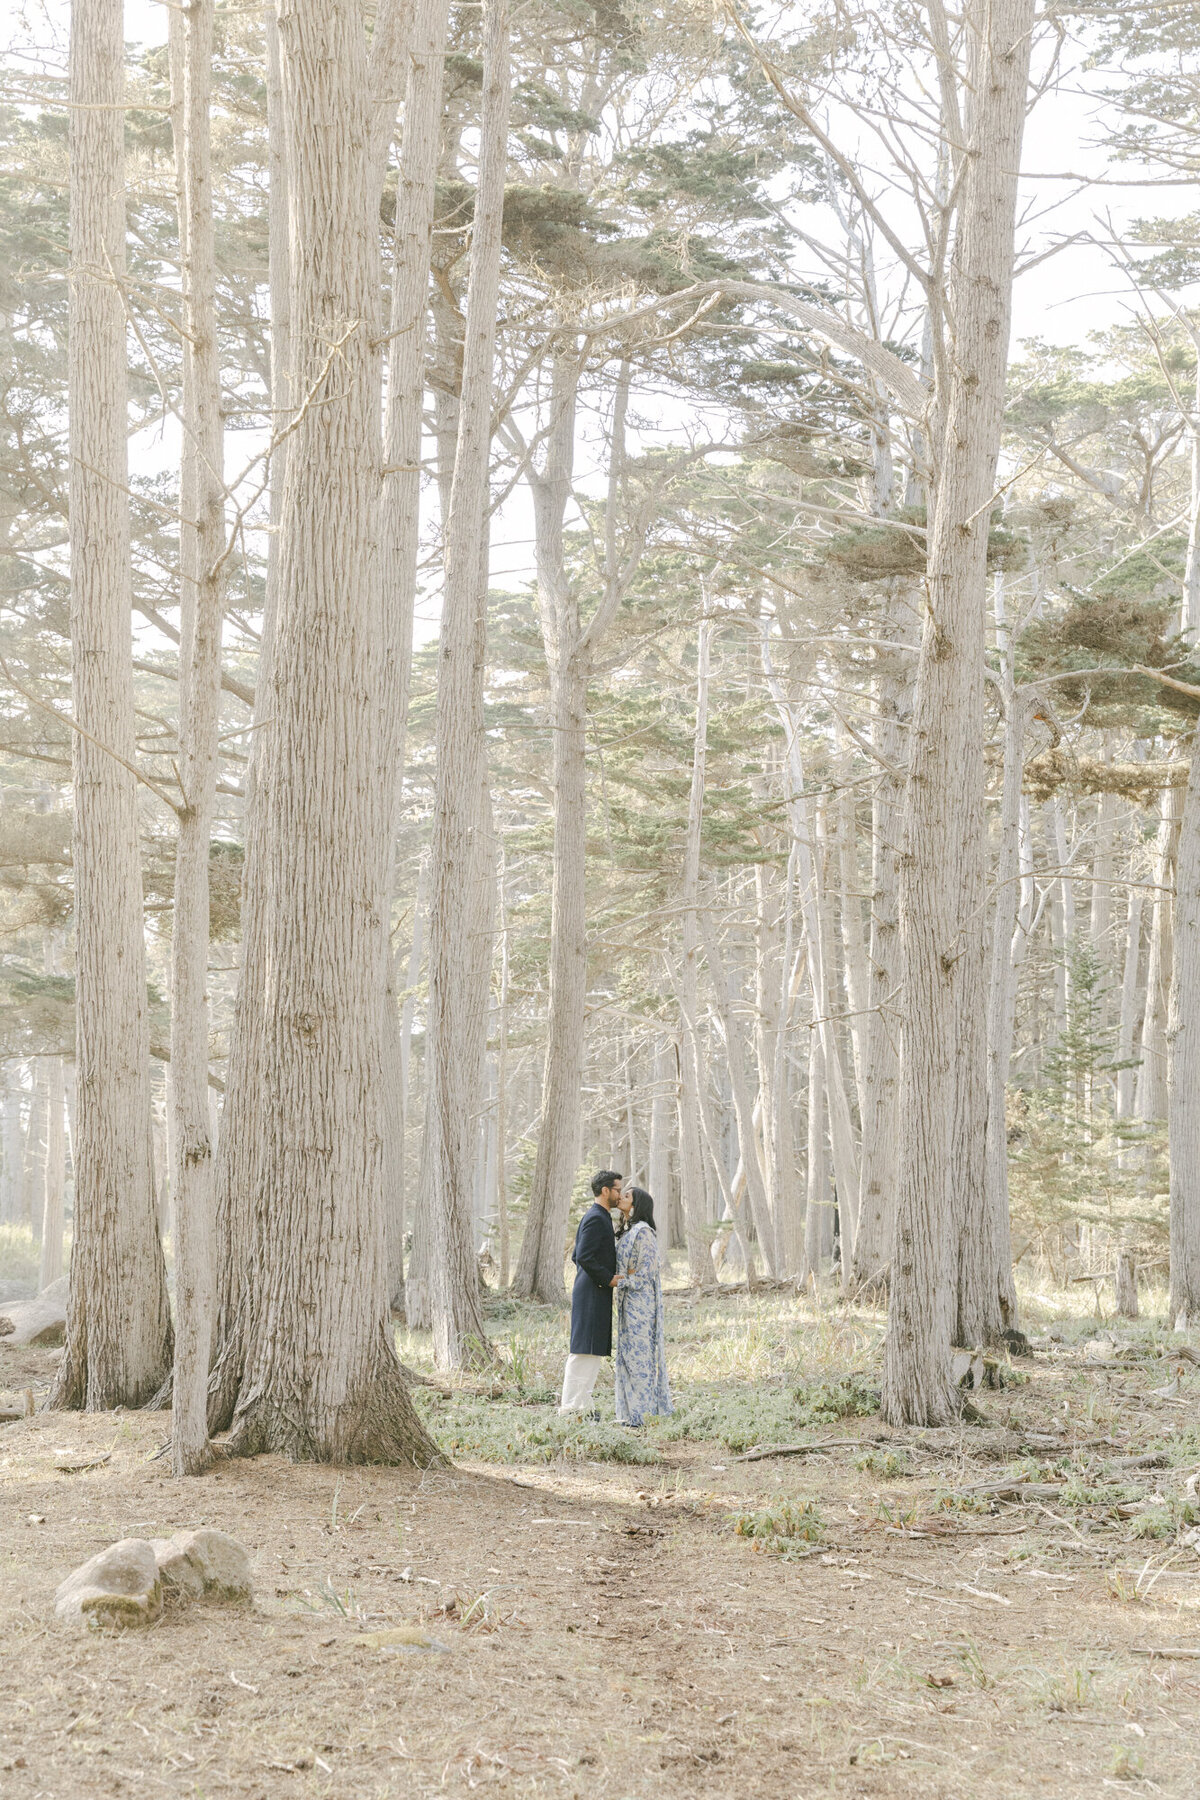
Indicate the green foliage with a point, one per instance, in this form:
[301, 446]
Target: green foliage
[496, 1431]
[827, 1401]
[783, 1529]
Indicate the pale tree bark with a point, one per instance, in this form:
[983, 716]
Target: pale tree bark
[1127, 1020]
[400, 509]
[1151, 1091]
[540, 1264]
[943, 1072]
[118, 1339]
[319, 1377]
[570, 645]
[818, 1215]
[658, 1155]
[881, 1056]
[1183, 1094]
[854, 946]
[397, 1181]
[503, 1247]
[461, 898]
[987, 1295]
[691, 1073]
[747, 1116]
[201, 560]
[241, 1141]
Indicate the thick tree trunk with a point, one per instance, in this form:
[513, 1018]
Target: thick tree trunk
[202, 546]
[1183, 1093]
[118, 1340]
[460, 907]
[239, 1172]
[942, 876]
[543, 1249]
[319, 1374]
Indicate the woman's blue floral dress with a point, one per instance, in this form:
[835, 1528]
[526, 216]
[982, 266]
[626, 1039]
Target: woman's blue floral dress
[641, 1363]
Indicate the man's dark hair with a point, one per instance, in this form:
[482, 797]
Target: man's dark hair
[607, 1178]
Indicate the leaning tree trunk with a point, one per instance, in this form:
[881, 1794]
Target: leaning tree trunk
[1183, 1091]
[319, 1377]
[118, 1341]
[942, 875]
[460, 906]
[201, 540]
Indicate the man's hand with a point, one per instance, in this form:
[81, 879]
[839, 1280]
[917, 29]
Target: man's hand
[614, 1281]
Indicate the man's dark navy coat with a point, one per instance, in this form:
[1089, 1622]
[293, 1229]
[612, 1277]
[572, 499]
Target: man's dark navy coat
[595, 1259]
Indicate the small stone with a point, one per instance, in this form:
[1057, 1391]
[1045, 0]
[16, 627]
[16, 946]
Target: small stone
[205, 1562]
[120, 1586]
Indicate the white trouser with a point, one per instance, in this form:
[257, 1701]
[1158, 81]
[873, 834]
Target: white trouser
[579, 1378]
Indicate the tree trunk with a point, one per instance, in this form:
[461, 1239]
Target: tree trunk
[202, 546]
[1127, 1022]
[881, 1059]
[942, 876]
[319, 1374]
[543, 1249]
[691, 1165]
[987, 1296]
[118, 1339]
[1152, 1097]
[819, 1213]
[460, 908]
[240, 1146]
[745, 1112]
[1183, 1092]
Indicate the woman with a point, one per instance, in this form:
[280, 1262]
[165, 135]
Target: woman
[641, 1365]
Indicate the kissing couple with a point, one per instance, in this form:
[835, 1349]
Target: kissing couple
[616, 1251]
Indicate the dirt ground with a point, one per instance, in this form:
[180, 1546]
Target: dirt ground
[595, 1629]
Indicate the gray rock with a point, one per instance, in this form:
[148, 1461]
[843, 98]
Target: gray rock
[205, 1562]
[120, 1586]
[39, 1321]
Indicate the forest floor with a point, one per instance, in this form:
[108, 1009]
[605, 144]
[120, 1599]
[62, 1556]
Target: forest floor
[573, 1610]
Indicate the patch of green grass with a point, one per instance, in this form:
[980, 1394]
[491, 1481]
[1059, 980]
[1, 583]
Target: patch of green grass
[782, 1529]
[740, 1417]
[499, 1431]
[824, 1402]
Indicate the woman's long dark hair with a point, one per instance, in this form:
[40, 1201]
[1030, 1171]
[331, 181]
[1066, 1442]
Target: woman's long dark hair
[642, 1212]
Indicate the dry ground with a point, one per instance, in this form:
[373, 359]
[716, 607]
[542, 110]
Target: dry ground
[591, 1628]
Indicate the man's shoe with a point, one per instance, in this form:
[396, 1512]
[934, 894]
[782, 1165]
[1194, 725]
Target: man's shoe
[593, 1416]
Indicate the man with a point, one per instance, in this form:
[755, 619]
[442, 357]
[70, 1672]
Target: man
[595, 1259]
